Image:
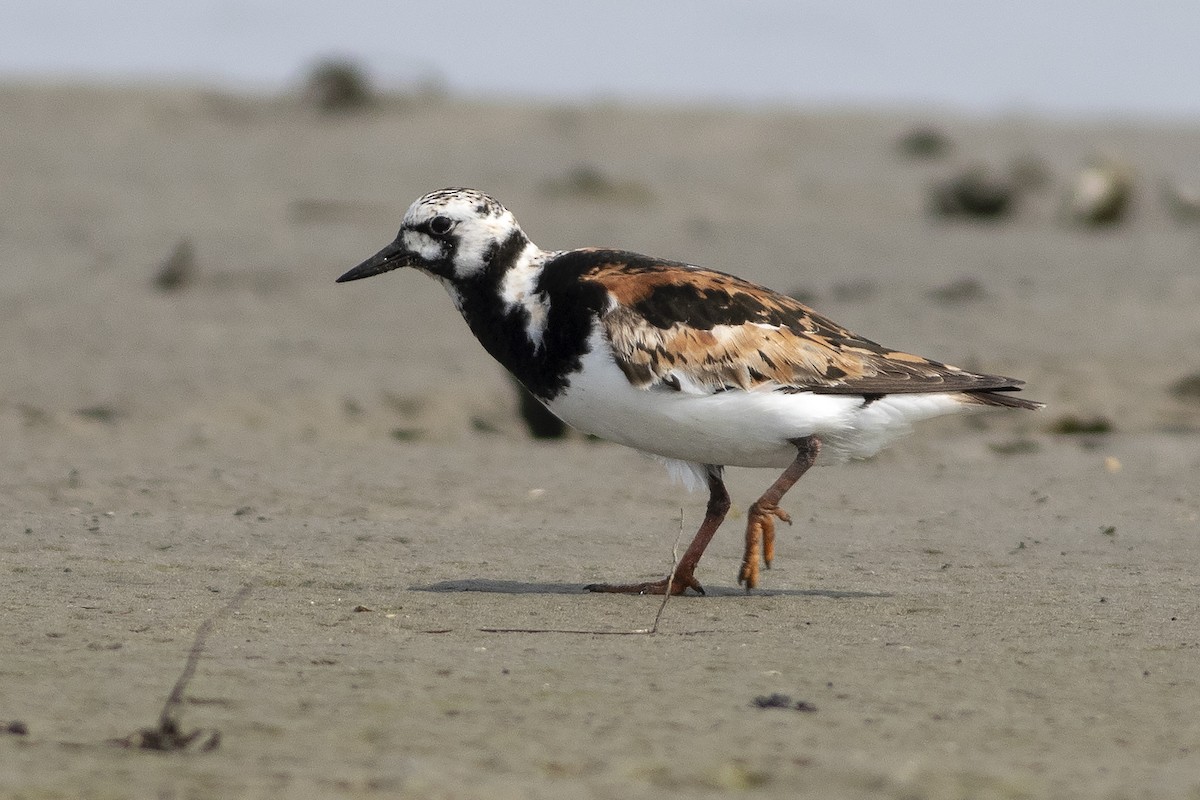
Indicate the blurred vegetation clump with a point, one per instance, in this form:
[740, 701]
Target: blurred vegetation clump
[586, 182]
[339, 86]
[976, 192]
[924, 142]
[1187, 387]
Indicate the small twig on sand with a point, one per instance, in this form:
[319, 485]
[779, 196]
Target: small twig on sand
[168, 736]
[636, 631]
[671, 577]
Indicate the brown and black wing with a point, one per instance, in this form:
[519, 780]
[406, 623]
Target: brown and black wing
[684, 327]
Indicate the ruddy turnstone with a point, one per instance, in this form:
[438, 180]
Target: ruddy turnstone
[701, 368]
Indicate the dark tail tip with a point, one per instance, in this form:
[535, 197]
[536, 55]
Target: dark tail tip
[1003, 399]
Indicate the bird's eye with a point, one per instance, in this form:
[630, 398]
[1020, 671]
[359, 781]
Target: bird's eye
[440, 225]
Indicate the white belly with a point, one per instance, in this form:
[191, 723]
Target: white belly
[734, 428]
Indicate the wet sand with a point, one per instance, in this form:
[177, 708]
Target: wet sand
[989, 609]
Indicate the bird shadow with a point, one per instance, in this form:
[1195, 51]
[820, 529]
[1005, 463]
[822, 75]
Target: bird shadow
[522, 587]
[500, 587]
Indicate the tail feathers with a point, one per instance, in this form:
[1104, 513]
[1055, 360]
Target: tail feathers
[1001, 398]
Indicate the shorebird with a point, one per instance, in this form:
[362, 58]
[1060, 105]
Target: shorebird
[698, 367]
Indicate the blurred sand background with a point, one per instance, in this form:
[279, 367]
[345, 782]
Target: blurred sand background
[991, 609]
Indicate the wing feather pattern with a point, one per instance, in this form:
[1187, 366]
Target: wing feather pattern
[685, 328]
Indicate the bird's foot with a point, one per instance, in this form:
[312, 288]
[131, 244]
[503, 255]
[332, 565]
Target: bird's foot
[679, 585]
[760, 541]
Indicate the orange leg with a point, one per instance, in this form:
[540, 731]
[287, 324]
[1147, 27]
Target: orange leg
[685, 578]
[760, 527]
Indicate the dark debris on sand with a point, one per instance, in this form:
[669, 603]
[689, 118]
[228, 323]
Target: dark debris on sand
[777, 700]
[168, 735]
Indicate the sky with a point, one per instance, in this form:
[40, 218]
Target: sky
[1055, 57]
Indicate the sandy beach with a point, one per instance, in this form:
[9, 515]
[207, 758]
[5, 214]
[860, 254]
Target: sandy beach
[994, 608]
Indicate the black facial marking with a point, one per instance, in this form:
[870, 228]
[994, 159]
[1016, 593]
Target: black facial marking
[503, 332]
[443, 265]
[501, 255]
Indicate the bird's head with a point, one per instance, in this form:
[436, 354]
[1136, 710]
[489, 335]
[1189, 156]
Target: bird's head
[452, 234]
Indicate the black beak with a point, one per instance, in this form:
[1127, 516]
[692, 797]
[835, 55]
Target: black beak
[391, 257]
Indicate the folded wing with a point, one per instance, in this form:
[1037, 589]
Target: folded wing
[688, 329]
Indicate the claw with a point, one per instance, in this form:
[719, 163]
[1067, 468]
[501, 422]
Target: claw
[760, 541]
[755, 536]
[760, 519]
